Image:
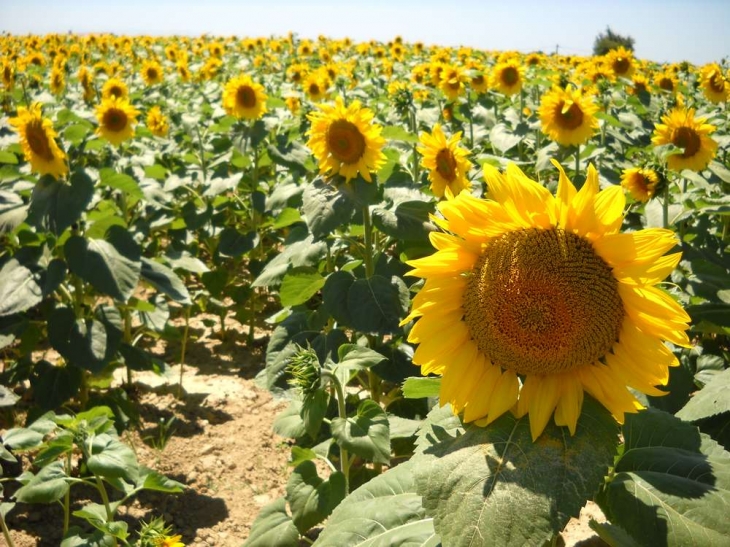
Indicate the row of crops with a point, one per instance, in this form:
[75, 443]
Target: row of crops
[500, 220]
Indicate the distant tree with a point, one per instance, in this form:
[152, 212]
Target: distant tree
[606, 41]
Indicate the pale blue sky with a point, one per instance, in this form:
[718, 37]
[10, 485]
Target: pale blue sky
[664, 30]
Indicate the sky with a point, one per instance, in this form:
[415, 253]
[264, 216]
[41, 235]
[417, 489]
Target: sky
[664, 30]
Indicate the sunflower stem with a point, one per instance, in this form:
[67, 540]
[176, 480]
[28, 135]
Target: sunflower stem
[373, 379]
[471, 120]
[183, 347]
[416, 164]
[577, 162]
[339, 393]
[6, 532]
[665, 207]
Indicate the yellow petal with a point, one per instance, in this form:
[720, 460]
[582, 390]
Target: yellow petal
[609, 206]
[480, 399]
[649, 273]
[565, 194]
[542, 401]
[571, 402]
[505, 395]
[635, 247]
[461, 376]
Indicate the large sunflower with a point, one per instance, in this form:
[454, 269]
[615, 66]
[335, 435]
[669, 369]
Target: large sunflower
[531, 300]
[691, 135]
[568, 116]
[445, 160]
[345, 140]
[38, 140]
[507, 77]
[117, 119]
[244, 98]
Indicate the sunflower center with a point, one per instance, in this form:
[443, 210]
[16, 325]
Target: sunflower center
[687, 139]
[152, 73]
[38, 140]
[116, 91]
[446, 164]
[666, 84]
[478, 80]
[510, 75]
[542, 302]
[313, 89]
[345, 141]
[621, 66]
[246, 97]
[571, 118]
[115, 120]
[717, 83]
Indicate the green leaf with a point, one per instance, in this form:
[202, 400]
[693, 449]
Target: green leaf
[96, 539]
[502, 138]
[123, 182]
[380, 304]
[383, 512]
[286, 217]
[165, 280]
[397, 133]
[156, 171]
[326, 208]
[612, 535]
[8, 398]
[21, 438]
[54, 385]
[710, 400]
[292, 155]
[418, 388]
[49, 485]
[295, 255]
[289, 423]
[111, 265]
[358, 357]
[273, 527]
[311, 498]
[233, 243]
[313, 411]
[367, 434]
[299, 285]
[8, 157]
[495, 486]
[111, 458]
[409, 221]
[671, 485]
[20, 288]
[152, 480]
[56, 205]
[334, 296]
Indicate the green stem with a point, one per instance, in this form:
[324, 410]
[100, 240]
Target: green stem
[67, 497]
[577, 160]
[183, 347]
[416, 163]
[342, 413]
[471, 120]
[203, 163]
[127, 337]
[6, 532]
[665, 207]
[368, 251]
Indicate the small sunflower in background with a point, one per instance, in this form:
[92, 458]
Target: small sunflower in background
[639, 85]
[114, 87]
[294, 104]
[453, 82]
[345, 140]
[244, 98]
[508, 76]
[690, 135]
[531, 299]
[152, 72]
[157, 122]
[714, 85]
[567, 116]
[445, 160]
[642, 183]
[38, 140]
[7, 71]
[621, 62]
[117, 119]
[667, 81]
[315, 86]
[58, 81]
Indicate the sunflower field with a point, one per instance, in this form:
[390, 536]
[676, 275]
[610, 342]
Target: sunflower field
[496, 285]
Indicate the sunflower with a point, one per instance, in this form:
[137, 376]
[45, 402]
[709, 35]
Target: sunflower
[345, 140]
[445, 160]
[452, 82]
[114, 87]
[8, 74]
[507, 77]
[116, 120]
[183, 71]
[639, 85]
[297, 72]
[567, 116]
[315, 86]
[58, 81]
[244, 98]
[691, 135]
[169, 541]
[640, 183]
[38, 140]
[666, 81]
[531, 300]
[621, 62]
[157, 122]
[714, 85]
[152, 72]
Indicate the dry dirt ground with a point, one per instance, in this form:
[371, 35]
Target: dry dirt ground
[221, 446]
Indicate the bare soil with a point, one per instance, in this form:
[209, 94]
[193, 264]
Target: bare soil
[220, 445]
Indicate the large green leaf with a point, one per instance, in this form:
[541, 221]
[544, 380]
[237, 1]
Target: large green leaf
[112, 265]
[380, 304]
[111, 458]
[671, 485]
[296, 254]
[49, 485]
[326, 208]
[165, 280]
[416, 388]
[54, 385]
[20, 288]
[367, 434]
[273, 527]
[334, 296]
[233, 243]
[408, 221]
[384, 512]
[13, 211]
[711, 400]
[494, 486]
[56, 205]
[311, 498]
[299, 285]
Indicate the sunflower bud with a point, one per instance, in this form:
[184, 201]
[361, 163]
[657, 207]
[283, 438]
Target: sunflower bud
[304, 368]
